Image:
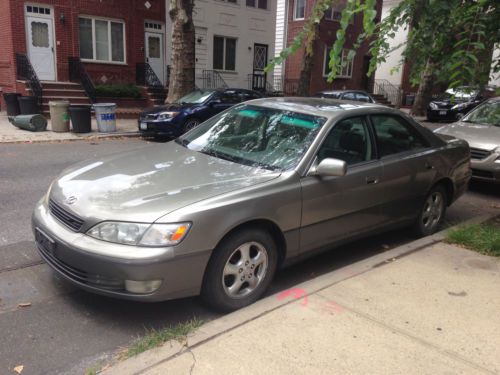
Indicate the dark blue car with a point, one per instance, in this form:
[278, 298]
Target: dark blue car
[172, 120]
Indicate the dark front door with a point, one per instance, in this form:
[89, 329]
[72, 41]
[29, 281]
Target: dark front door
[259, 63]
[367, 83]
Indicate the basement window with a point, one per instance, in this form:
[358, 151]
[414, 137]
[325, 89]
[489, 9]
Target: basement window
[261, 4]
[102, 40]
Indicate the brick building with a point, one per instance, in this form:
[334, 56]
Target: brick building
[353, 76]
[111, 37]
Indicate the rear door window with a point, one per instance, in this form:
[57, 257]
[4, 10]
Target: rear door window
[394, 135]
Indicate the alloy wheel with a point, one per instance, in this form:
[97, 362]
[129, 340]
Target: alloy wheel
[245, 269]
[433, 210]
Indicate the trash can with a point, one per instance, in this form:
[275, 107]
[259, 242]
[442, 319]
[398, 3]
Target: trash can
[28, 105]
[12, 103]
[80, 118]
[105, 114]
[59, 115]
[34, 123]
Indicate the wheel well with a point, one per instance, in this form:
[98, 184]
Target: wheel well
[449, 188]
[271, 228]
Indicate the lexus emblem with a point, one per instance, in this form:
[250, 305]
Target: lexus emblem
[71, 200]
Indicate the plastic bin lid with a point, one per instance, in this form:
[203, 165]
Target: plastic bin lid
[105, 105]
[59, 103]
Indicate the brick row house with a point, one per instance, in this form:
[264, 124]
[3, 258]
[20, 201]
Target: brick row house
[291, 18]
[110, 39]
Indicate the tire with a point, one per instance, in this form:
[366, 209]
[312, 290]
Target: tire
[432, 213]
[190, 124]
[233, 281]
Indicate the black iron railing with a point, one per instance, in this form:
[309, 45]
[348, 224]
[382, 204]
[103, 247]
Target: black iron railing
[78, 73]
[391, 92]
[26, 72]
[213, 80]
[145, 76]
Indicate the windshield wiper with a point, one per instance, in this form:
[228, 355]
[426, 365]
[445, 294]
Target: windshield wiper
[239, 160]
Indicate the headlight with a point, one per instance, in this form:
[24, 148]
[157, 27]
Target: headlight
[167, 115]
[458, 107]
[140, 234]
[433, 105]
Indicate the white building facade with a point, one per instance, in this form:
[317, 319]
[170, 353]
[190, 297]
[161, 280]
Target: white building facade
[234, 38]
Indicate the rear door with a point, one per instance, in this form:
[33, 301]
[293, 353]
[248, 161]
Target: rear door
[407, 159]
[335, 208]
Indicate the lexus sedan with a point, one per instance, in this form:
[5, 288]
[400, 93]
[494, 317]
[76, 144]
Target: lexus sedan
[172, 120]
[219, 210]
[481, 129]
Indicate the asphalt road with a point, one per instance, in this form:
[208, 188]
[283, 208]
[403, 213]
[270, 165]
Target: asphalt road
[65, 330]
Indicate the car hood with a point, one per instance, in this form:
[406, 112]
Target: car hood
[168, 107]
[486, 137]
[148, 183]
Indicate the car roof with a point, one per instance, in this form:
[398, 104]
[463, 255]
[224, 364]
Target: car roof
[322, 107]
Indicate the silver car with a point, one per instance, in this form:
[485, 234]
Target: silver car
[217, 211]
[481, 129]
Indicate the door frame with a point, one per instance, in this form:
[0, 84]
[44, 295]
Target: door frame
[43, 16]
[160, 32]
[256, 71]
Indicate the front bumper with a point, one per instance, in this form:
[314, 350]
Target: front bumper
[442, 114]
[487, 169]
[159, 128]
[87, 263]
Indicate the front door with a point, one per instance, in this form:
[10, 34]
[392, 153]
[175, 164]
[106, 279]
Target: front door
[259, 63]
[155, 55]
[41, 46]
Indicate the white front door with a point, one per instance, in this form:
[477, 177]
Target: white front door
[41, 47]
[154, 54]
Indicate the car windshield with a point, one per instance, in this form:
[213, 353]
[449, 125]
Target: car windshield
[195, 97]
[256, 136]
[488, 113]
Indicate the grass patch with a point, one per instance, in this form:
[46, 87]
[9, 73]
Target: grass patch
[155, 338]
[483, 238]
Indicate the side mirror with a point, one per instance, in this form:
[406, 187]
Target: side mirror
[329, 167]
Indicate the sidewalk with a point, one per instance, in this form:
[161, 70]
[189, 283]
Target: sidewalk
[423, 308]
[11, 134]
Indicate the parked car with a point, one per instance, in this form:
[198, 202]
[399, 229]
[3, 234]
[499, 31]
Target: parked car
[190, 110]
[481, 129]
[356, 95]
[453, 104]
[217, 211]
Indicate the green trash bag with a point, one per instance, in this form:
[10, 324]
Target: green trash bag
[33, 123]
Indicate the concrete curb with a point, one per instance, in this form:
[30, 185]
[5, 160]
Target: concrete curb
[91, 137]
[217, 327]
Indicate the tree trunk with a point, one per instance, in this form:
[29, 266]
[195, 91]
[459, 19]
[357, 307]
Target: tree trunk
[424, 93]
[182, 79]
[308, 65]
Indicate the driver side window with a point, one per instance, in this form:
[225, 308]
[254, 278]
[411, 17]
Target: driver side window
[349, 140]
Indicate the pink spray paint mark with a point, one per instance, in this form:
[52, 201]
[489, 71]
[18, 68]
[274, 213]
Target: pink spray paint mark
[295, 293]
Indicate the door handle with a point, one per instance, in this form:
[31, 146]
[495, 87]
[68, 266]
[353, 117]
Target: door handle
[372, 180]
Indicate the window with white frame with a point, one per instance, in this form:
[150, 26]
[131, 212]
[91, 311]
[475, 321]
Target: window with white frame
[102, 40]
[346, 64]
[224, 53]
[299, 9]
[261, 4]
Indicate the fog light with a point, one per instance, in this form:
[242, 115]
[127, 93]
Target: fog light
[142, 287]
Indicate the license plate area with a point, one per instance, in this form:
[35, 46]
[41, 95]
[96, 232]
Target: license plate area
[442, 113]
[143, 126]
[44, 241]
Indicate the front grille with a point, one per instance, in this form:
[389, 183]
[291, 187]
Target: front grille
[478, 153]
[70, 220]
[80, 276]
[482, 174]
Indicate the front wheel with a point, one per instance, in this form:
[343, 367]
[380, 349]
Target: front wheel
[432, 212]
[240, 270]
